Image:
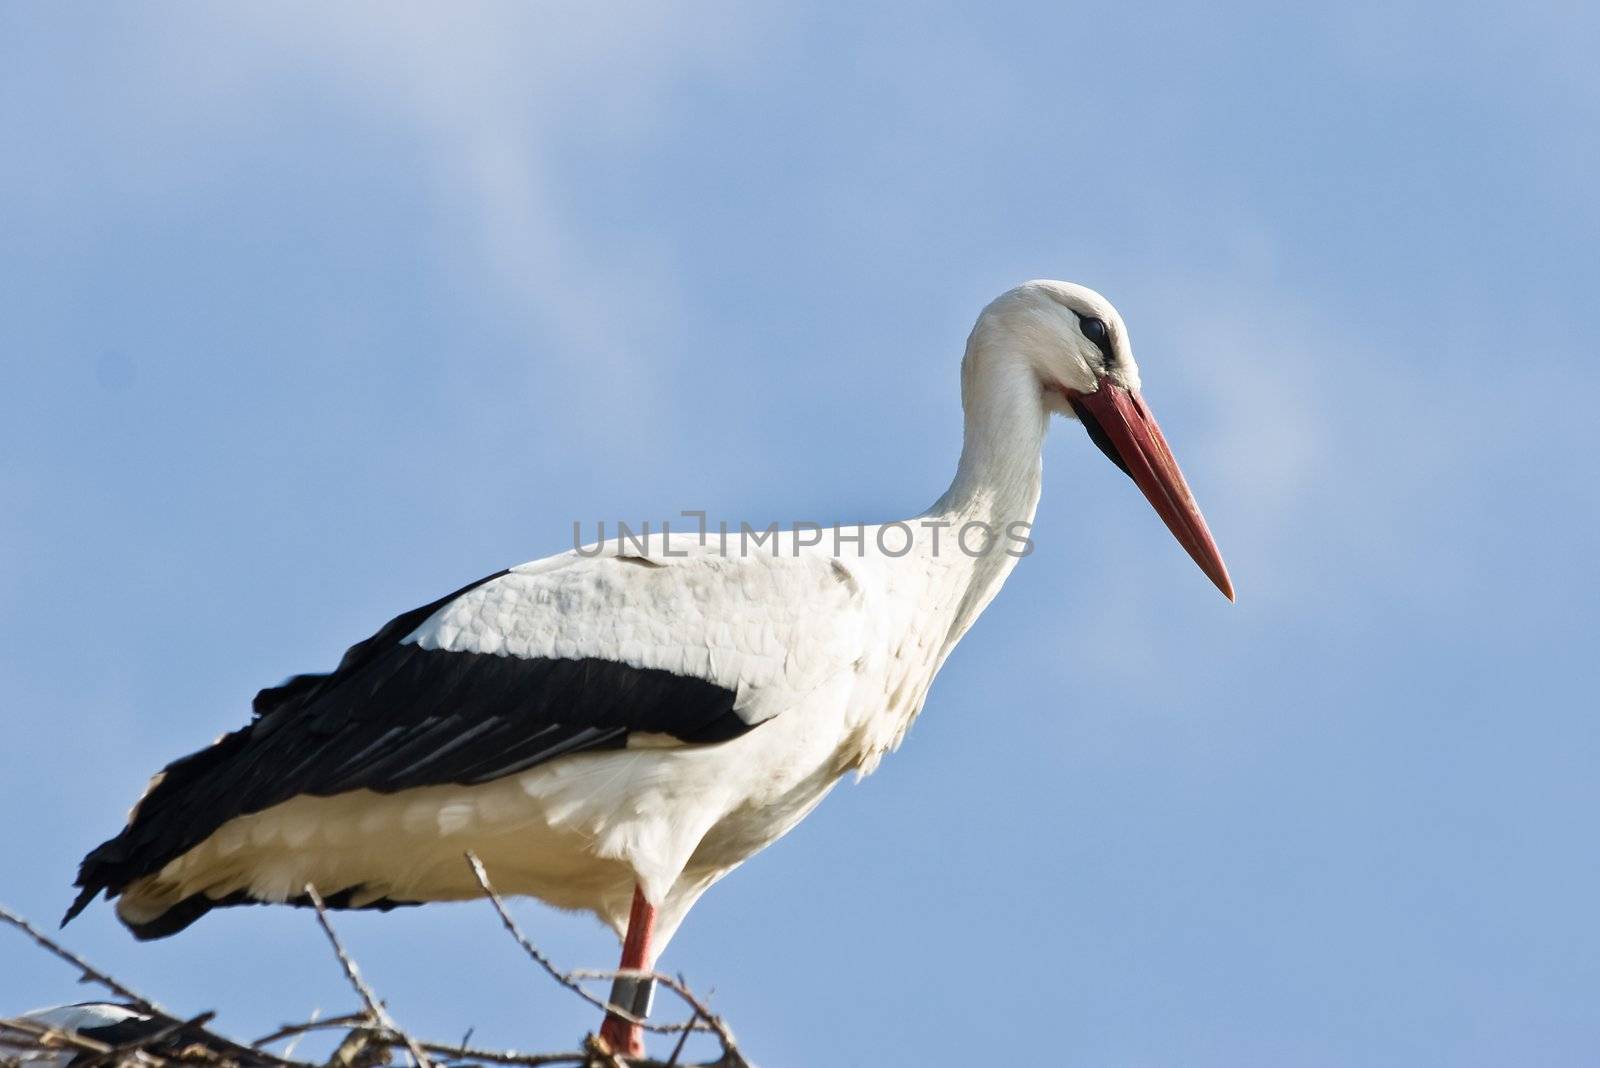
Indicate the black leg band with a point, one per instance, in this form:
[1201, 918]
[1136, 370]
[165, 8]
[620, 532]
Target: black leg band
[633, 995]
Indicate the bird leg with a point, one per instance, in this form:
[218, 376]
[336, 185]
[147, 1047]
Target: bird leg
[633, 995]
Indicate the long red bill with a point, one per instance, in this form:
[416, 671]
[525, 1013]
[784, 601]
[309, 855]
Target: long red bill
[1121, 425]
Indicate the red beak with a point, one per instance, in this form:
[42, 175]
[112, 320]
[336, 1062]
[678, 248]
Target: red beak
[1119, 422]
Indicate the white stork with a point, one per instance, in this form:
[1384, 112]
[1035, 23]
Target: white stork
[613, 729]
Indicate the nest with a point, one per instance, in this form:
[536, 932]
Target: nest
[134, 1031]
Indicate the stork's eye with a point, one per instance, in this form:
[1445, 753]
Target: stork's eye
[1095, 330]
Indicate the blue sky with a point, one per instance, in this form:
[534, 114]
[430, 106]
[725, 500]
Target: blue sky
[311, 313]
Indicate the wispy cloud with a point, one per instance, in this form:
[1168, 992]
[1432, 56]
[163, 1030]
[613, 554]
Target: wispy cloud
[501, 95]
[497, 105]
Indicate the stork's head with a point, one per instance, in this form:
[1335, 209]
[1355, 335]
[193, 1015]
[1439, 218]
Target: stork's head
[1076, 344]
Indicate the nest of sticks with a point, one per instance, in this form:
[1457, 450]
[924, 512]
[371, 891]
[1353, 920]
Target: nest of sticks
[367, 1037]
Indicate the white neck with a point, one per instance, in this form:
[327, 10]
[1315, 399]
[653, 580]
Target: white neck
[1005, 423]
[998, 479]
[997, 485]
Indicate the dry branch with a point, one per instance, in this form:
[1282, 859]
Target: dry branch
[378, 1015]
[369, 1037]
[88, 973]
[701, 1018]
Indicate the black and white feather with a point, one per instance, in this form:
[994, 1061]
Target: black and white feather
[124, 1027]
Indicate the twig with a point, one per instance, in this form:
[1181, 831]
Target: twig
[375, 1008]
[313, 1024]
[361, 1047]
[712, 1022]
[532, 950]
[294, 1044]
[570, 980]
[601, 1055]
[533, 1060]
[678, 1049]
[89, 973]
[702, 1018]
[48, 1036]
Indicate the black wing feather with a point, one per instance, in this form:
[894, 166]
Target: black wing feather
[395, 716]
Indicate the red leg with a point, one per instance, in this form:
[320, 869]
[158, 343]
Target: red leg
[620, 1035]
